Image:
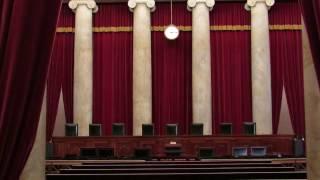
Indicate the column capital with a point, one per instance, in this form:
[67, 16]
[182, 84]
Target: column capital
[252, 3]
[193, 3]
[91, 4]
[151, 4]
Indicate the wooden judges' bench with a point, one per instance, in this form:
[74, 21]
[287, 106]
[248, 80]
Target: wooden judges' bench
[125, 146]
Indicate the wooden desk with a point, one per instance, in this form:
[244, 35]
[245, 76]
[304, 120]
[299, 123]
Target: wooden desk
[190, 145]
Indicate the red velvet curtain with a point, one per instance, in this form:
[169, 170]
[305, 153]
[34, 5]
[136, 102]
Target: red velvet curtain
[171, 70]
[112, 75]
[287, 65]
[311, 15]
[53, 89]
[171, 67]
[67, 18]
[231, 67]
[60, 75]
[26, 38]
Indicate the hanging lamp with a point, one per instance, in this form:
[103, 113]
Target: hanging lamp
[171, 32]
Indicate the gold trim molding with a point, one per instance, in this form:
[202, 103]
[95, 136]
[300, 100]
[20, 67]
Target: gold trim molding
[286, 27]
[102, 29]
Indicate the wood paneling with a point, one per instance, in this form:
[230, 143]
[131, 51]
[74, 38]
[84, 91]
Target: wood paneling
[222, 145]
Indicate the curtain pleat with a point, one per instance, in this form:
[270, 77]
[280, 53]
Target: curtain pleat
[112, 75]
[287, 65]
[311, 15]
[171, 71]
[60, 77]
[231, 67]
[27, 32]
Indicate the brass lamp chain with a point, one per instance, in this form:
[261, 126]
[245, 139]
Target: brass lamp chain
[171, 11]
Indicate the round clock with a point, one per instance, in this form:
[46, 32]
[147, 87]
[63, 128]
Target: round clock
[171, 32]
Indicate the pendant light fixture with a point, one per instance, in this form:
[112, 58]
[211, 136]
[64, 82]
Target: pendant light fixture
[171, 32]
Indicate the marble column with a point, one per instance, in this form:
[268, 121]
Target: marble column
[35, 167]
[83, 61]
[312, 110]
[260, 65]
[201, 63]
[142, 82]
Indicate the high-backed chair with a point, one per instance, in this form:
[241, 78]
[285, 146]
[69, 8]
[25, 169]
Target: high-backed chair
[71, 129]
[147, 130]
[226, 128]
[118, 129]
[197, 129]
[172, 129]
[95, 130]
[249, 128]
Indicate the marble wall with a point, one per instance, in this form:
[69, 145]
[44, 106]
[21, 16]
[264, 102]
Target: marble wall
[312, 111]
